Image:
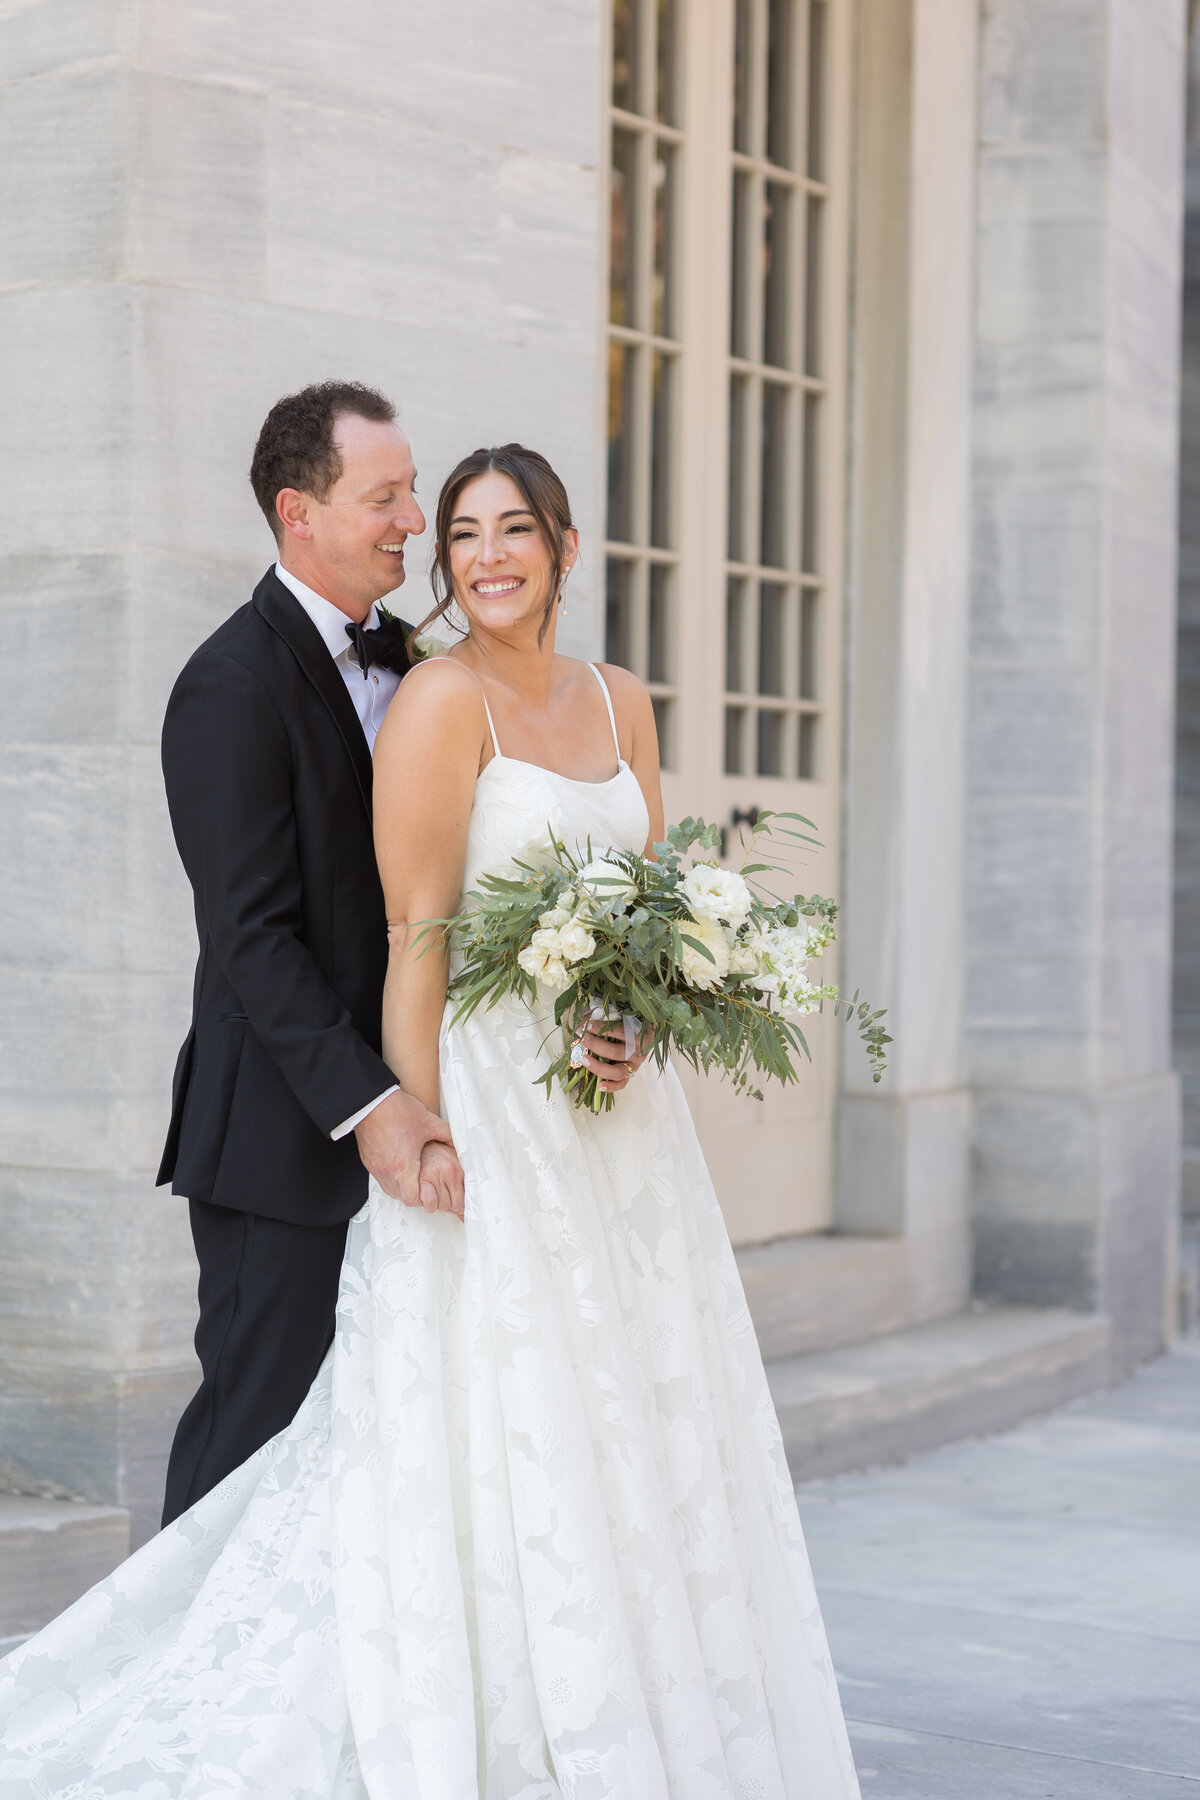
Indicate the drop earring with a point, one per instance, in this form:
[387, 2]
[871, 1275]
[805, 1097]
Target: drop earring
[562, 599]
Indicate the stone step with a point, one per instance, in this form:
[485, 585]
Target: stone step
[814, 1293]
[51, 1552]
[892, 1397]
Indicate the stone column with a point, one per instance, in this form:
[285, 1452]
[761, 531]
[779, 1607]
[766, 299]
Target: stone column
[1072, 657]
[902, 1147]
[204, 207]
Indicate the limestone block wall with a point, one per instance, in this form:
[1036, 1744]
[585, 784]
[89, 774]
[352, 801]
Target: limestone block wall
[1072, 656]
[202, 207]
[1187, 719]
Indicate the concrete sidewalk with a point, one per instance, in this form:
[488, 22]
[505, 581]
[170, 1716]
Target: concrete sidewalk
[1019, 1618]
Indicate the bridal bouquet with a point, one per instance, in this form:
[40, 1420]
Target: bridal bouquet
[692, 953]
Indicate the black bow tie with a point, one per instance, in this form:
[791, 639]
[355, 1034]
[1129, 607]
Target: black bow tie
[382, 644]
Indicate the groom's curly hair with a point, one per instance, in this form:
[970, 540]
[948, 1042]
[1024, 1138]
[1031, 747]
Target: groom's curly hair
[295, 447]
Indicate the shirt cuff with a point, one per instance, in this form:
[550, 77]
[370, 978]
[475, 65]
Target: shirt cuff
[347, 1125]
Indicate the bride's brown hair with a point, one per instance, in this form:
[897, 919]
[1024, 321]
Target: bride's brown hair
[544, 495]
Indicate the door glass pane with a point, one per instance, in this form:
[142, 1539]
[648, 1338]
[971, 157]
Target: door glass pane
[739, 444]
[741, 343]
[663, 321]
[812, 288]
[742, 77]
[667, 72]
[816, 89]
[807, 755]
[625, 36]
[808, 645]
[777, 281]
[735, 740]
[664, 723]
[623, 189]
[618, 612]
[735, 634]
[772, 601]
[779, 82]
[810, 512]
[662, 375]
[776, 464]
[658, 658]
[621, 370]
[770, 743]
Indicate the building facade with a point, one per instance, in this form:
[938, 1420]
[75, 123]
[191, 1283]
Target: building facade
[853, 327]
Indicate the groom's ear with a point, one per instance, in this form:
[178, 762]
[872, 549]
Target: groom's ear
[292, 508]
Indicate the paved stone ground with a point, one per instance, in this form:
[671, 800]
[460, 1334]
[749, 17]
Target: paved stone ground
[1019, 1618]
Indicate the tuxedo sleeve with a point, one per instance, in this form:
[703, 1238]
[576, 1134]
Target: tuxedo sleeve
[228, 769]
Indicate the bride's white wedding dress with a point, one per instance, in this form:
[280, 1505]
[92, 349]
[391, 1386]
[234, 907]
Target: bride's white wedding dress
[532, 1532]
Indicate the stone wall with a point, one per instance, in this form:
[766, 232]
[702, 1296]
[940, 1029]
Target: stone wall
[1072, 657]
[202, 207]
[1187, 721]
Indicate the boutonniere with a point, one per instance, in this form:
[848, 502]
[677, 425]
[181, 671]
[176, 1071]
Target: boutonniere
[421, 647]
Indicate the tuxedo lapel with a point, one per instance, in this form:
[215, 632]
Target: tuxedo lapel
[285, 615]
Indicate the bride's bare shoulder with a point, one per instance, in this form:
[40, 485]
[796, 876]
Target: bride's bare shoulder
[439, 699]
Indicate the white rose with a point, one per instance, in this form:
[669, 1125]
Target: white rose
[543, 959]
[558, 915]
[575, 941]
[695, 968]
[713, 893]
[425, 645]
[607, 883]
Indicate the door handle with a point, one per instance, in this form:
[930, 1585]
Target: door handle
[738, 817]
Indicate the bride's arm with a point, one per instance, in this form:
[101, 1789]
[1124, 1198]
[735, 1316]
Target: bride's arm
[426, 765]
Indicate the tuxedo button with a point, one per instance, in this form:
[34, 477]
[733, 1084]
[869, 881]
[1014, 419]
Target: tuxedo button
[375, 679]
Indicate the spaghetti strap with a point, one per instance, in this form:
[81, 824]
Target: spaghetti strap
[491, 726]
[608, 702]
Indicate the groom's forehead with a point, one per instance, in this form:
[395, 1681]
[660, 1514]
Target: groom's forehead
[373, 451]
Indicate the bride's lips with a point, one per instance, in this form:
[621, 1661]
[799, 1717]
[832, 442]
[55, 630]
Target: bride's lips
[501, 584]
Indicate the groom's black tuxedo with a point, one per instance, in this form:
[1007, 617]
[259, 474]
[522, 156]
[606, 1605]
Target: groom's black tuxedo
[268, 778]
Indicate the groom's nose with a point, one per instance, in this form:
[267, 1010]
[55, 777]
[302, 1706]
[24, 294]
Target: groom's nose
[410, 518]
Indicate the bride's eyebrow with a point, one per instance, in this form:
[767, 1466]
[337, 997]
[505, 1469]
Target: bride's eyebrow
[514, 512]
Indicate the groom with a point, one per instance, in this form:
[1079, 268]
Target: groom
[282, 1103]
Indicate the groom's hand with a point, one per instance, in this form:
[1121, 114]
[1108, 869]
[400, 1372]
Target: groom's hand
[391, 1139]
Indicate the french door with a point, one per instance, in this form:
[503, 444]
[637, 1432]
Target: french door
[727, 206]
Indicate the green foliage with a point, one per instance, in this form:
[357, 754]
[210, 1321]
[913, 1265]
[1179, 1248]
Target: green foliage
[636, 963]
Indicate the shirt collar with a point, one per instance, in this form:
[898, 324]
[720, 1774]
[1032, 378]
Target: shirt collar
[329, 619]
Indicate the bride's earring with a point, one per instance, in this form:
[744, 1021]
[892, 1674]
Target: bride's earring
[562, 599]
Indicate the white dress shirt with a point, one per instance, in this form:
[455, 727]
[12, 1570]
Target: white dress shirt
[371, 700]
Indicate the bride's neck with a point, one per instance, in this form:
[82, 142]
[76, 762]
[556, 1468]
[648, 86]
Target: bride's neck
[520, 664]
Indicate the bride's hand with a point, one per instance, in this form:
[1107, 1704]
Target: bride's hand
[441, 1183]
[604, 1054]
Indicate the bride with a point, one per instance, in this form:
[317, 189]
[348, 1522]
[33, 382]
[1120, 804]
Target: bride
[532, 1533]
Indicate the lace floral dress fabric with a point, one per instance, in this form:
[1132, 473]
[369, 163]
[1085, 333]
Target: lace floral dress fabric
[531, 1534]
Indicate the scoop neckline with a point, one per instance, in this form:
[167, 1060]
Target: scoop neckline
[575, 780]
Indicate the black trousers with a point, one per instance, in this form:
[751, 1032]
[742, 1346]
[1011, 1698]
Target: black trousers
[268, 1296]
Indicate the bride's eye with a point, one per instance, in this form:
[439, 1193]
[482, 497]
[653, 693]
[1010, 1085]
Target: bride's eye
[456, 537]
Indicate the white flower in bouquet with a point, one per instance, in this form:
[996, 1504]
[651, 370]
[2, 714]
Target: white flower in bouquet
[606, 883]
[743, 958]
[542, 958]
[575, 941]
[781, 954]
[713, 893]
[558, 915]
[696, 968]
